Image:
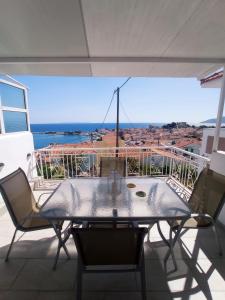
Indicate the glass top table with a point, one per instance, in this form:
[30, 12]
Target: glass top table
[103, 199]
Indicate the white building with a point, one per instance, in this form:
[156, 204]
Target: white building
[16, 140]
[207, 141]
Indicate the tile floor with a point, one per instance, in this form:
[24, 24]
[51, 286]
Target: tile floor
[29, 274]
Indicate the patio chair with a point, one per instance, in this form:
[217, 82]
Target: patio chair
[101, 249]
[22, 207]
[109, 164]
[206, 202]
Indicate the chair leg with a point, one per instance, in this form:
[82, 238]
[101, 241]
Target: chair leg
[143, 280]
[79, 280]
[161, 234]
[217, 240]
[172, 243]
[10, 247]
[57, 256]
[148, 234]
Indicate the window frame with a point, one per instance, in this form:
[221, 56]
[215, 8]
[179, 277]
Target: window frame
[14, 109]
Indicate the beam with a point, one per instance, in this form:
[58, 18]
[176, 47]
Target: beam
[219, 116]
[88, 60]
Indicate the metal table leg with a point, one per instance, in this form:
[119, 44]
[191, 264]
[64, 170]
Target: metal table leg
[61, 244]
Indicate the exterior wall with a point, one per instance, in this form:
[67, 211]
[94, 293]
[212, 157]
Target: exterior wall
[16, 145]
[209, 144]
[207, 141]
[14, 153]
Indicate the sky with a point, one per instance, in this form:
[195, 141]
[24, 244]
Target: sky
[147, 100]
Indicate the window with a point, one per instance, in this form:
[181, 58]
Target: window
[12, 96]
[15, 121]
[13, 110]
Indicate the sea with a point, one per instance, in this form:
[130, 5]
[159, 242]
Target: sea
[43, 140]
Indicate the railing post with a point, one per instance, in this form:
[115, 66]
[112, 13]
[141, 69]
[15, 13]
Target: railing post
[41, 165]
[71, 161]
[46, 167]
[76, 164]
[89, 165]
[139, 170]
[68, 169]
[63, 163]
[50, 163]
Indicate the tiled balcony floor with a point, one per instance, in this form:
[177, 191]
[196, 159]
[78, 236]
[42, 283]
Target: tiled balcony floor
[29, 274]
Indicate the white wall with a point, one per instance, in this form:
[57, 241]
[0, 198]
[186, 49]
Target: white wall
[14, 148]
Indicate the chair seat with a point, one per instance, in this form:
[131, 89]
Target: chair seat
[191, 223]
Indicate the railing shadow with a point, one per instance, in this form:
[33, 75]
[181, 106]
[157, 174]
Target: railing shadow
[196, 272]
[190, 279]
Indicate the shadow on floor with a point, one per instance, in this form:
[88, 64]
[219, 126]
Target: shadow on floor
[200, 271]
[206, 268]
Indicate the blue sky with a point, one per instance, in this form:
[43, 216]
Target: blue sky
[86, 99]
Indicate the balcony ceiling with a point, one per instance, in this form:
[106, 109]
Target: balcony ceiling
[176, 38]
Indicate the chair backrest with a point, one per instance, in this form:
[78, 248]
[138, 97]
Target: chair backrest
[109, 164]
[18, 196]
[209, 193]
[109, 246]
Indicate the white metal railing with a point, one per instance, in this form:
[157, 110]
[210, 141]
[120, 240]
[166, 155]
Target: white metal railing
[175, 163]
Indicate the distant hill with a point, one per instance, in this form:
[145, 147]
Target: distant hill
[176, 125]
[213, 120]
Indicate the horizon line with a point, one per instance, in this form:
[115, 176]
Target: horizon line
[165, 122]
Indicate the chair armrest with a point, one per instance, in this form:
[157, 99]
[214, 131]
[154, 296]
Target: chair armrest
[39, 198]
[202, 215]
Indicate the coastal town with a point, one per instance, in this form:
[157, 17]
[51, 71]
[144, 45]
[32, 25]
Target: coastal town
[180, 135]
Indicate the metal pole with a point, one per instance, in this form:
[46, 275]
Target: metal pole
[117, 120]
[219, 115]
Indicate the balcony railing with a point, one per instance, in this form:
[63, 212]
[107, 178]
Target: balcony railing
[181, 166]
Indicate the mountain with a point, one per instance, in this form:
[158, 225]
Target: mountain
[213, 120]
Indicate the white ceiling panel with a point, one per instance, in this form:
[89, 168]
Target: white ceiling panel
[34, 33]
[41, 28]
[203, 34]
[134, 27]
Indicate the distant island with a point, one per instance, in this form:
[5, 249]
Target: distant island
[213, 120]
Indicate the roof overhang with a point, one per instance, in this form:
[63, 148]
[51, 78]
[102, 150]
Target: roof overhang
[212, 81]
[167, 38]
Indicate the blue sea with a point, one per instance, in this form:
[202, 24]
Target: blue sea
[43, 140]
